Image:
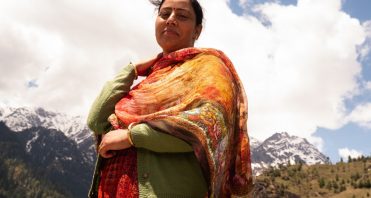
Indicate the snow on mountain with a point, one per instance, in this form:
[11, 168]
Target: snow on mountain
[32, 140]
[19, 119]
[73, 127]
[4, 110]
[47, 156]
[281, 148]
[254, 143]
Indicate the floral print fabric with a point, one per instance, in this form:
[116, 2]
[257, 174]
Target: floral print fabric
[196, 95]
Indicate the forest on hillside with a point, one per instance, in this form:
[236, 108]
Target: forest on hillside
[343, 179]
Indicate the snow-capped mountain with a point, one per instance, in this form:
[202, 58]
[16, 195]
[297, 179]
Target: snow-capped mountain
[281, 148]
[19, 119]
[254, 143]
[73, 127]
[56, 146]
[42, 162]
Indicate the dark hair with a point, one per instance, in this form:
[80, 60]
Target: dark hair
[195, 4]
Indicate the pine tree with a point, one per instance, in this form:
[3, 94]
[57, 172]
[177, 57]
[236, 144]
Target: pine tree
[329, 185]
[321, 182]
[342, 188]
[368, 184]
[335, 185]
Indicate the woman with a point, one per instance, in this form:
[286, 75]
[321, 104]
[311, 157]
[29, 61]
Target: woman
[181, 132]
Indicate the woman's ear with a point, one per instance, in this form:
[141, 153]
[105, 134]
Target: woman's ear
[197, 32]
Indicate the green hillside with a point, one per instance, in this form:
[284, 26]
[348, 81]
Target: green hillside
[39, 167]
[351, 179]
[17, 177]
[17, 180]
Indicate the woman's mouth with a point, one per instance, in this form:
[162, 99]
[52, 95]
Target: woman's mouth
[170, 32]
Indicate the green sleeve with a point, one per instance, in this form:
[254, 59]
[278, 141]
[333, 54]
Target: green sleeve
[112, 92]
[144, 136]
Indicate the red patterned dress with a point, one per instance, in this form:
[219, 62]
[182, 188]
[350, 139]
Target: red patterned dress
[119, 176]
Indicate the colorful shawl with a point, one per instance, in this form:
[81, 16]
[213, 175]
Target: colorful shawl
[196, 95]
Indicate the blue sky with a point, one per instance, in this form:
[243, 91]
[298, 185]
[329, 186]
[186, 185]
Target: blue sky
[351, 136]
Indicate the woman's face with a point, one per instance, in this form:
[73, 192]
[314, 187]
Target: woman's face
[176, 25]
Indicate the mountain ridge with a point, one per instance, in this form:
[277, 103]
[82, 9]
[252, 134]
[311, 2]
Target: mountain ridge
[283, 149]
[40, 162]
[73, 127]
[279, 149]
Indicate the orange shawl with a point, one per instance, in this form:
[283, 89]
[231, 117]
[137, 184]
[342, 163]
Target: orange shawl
[196, 95]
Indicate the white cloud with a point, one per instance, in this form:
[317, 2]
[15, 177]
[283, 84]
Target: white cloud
[242, 2]
[346, 152]
[361, 115]
[364, 49]
[368, 85]
[70, 48]
[367, 27]
[297, 71]
[317, 142]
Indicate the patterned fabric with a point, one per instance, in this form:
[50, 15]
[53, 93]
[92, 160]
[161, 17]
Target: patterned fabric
[119, 177]
[196, 95]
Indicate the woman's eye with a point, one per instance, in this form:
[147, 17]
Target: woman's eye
[164, 15]
[183, 17]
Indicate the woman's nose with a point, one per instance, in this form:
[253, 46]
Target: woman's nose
[172, 19]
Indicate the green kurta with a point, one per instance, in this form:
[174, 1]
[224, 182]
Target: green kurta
[167, 166]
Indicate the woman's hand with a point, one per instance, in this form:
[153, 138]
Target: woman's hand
[113, 141]
[143, 66]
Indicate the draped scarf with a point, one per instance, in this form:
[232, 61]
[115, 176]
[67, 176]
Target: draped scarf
[196, 95]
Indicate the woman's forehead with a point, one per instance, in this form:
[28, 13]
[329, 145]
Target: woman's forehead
[177, 4]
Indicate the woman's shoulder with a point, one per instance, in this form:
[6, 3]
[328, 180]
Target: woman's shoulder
[210, 50]
[214, 52]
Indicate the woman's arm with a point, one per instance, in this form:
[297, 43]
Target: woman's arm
[113, 91]
[104, 104]
[144, 136]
